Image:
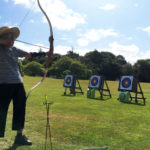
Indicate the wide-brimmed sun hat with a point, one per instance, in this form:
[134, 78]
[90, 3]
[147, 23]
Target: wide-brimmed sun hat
[14, 30]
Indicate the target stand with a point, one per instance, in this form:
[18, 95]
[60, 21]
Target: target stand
[99, 83]
[73, 84]
[130, 84]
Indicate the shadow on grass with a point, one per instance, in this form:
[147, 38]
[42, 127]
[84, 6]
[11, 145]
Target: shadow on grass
[100, 148]
[133, 103]
[68, 95]
[100, 99]
[13, 147]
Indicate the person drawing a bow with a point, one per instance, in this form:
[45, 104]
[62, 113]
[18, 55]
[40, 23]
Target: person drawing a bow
[11, 84]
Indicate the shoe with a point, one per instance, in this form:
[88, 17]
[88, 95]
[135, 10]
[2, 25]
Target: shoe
[1, 135]
[22, 140]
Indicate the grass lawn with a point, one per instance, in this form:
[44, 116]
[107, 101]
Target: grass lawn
[78, 122]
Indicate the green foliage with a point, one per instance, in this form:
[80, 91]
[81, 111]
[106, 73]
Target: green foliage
[21, 68]
[104, 63]
[55, 57]
[121, 60]
[66, 72]
[34, 69]
[127, 69]
[142, 70]
[72, 54]
[95, 62]
[68, 65]
[111, 70]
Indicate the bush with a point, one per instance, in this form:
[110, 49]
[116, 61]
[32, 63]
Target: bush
[34, 69]
[66, 65]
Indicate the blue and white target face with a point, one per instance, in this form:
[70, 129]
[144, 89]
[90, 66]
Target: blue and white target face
[126, 83]
[68, 81]
[95, 82]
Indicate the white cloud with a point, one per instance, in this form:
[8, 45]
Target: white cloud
[59, 49]
[29, 48]
[144, 55]
[10, 24]
[131, 53]
[108, 33]
[94, 35]
[62, 49]
[126, 50]
[26, 3]
[82, 42]
[147, 30]
[61, 17]
[6, 1]
[82, 52]
[108, 7]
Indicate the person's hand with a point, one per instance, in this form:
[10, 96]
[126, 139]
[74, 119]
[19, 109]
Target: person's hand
[51, 39]
[28, 55]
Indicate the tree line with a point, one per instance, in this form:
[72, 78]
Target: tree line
[92, 63]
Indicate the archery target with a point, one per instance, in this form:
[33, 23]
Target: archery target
[68, 81]
[126, 83]
[95, 82]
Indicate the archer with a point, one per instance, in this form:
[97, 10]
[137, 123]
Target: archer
[11, 84]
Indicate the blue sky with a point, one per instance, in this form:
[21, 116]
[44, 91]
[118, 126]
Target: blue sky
[118, 26]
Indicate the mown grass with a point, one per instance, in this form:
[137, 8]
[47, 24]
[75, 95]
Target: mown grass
[78, 122]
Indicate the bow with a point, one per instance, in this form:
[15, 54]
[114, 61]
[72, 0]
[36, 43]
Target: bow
[51, 49]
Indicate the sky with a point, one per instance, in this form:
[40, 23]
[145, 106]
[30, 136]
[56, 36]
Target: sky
[121, 27]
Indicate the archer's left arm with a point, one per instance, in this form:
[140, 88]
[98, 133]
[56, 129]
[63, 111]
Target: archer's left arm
[49, 53]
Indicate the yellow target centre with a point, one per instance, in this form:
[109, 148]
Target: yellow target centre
[126, 83]
[94, 81]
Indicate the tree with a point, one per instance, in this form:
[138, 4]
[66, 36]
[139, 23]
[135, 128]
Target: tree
[108, 56]
[66, 72]
[80, 70]
[67, 65]
[127, 69]
[111, 70]
[72, 54]
[34, 69]
[142, 70]
[55, 57]
[103, 63]
[93, 60]
[121, 60]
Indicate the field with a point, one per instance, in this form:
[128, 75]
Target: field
[77, 122]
